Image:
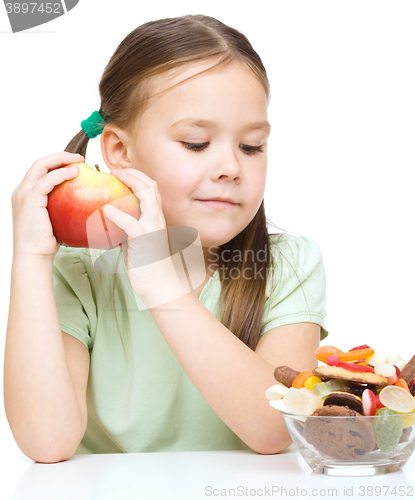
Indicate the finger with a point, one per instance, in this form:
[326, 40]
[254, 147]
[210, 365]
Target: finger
[51, 162]
[125, 221]
[46, 184]
[137, 181]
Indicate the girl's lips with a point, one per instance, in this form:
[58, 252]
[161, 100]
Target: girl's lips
[217, 204]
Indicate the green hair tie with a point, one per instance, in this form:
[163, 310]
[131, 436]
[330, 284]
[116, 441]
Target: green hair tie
[94, 125]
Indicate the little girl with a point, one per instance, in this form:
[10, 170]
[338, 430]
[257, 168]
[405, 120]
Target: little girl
[145, 362]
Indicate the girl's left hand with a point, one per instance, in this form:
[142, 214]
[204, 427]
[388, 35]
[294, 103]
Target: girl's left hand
[147, 253]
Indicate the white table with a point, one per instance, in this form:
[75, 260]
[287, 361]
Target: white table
[189, 475]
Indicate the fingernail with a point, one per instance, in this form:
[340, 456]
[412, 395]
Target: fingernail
[122, 172]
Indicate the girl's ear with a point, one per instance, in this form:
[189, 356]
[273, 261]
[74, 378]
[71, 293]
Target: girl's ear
[114, 147]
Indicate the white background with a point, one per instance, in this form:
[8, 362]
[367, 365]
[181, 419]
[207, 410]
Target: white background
[341, 151]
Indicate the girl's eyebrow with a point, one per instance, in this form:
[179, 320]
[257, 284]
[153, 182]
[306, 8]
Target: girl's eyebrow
[193, 122]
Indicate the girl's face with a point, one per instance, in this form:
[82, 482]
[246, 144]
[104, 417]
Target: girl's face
[204, 139]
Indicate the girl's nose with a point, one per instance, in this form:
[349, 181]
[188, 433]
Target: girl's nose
[228, 165]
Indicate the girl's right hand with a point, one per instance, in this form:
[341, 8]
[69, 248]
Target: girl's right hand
[32, 229]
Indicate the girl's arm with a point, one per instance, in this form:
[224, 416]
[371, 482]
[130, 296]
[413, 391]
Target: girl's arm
[40, 399]
[229, 375]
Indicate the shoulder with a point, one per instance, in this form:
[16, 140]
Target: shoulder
[299, 251]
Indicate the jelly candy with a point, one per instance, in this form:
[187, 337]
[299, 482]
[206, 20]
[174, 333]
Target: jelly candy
[332, 360]
[401, 383]
[323, 352]
[396, 398]
[302, 401]
[354, 367]
[311, 382]
[369, 403]
[356, 354]
[299, 380]
[333, 385]
[364, 346]
[408, 420]
[388, 429]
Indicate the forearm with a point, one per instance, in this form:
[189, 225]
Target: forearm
[40, 399]
[229, 375]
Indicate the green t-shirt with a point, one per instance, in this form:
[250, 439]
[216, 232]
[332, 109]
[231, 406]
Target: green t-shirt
[141, 400]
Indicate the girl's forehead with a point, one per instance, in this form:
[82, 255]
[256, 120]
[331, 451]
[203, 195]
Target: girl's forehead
[183, 74]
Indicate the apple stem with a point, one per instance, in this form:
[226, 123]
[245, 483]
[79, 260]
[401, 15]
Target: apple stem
[96, 166]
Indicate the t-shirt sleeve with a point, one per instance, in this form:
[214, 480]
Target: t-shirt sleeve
[73, 295]
[297, 292]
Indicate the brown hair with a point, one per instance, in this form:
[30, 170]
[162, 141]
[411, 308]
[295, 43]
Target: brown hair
[161, 46]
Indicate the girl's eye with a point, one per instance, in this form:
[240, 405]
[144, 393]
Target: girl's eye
[200, 146]
[249, 150]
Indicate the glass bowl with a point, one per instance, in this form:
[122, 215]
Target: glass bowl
[353, 446]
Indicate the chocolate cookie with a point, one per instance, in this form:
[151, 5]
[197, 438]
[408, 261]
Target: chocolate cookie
[339, 438]
[352, 376]
[344, 399]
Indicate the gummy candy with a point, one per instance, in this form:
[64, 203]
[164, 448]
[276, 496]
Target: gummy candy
[356, 354]
[354, 367]
[396, 398]
[333, 385]
[401, 383]
[388, 429]
[299, 380]
[323, 352]
[332, 360]
[311, 382]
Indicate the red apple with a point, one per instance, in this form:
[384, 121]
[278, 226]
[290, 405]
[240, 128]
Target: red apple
[75, 209]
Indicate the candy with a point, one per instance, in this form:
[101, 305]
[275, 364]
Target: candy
[395, 359]
[379, 403]
[396, 398]
[276, 392]
[369, 403]
[401, 383]
[364, 346]
[354, 366]
[311, 382]
[299, 380]
[408, 420]
[332, 360]
[333, 385]
[323, 352]
[395, 377]
[408, 372]
[356, 354]
[378, 357]
[302, 401]
[285, 375]
[385, 369]
[388, 429]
